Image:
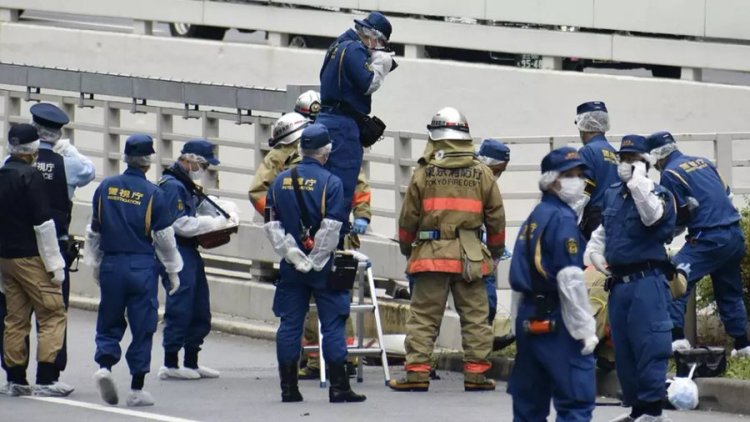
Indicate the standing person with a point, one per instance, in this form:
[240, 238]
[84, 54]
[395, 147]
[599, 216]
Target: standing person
[715, 243]
[592, 120]
[187, 313]
[64, 170]
[446, 204]
[555, 332]
[306, 212]
[638, 219]
[131, 221]
[32, 269]
[495, 155]
[355, 67]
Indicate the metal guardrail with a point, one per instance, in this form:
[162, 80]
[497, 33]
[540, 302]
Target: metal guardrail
[717, 22]
[399, 156]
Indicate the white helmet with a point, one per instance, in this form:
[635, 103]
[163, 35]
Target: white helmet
[449, 123]
[288, 129]
[308, 104]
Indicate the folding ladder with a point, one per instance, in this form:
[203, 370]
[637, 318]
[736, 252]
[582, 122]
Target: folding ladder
[359, 307]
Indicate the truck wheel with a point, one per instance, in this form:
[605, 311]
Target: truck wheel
[186, 30]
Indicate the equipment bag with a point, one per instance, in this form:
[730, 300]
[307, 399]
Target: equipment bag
[343, 271]
[709, 361]
[472, 255]
[371, 130]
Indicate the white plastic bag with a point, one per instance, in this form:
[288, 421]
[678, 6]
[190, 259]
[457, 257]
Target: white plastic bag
[683, 392]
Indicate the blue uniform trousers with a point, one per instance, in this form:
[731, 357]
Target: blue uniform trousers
[128, 282]
[291, 302]
[187, 315]
[717, 252]
[490, 283]
[550, 366]
[641, 332]
[3, 312]
[346, 156]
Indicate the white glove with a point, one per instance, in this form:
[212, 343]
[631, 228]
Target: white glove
[589, 344]
[383, 59]
[234, 219]
[58, 276]
[598, 261]
[301, 262]
[174, 282]
[639, 170]
[64, 148]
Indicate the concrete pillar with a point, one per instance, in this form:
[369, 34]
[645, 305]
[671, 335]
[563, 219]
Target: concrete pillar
[552, 63]
[413, 51]
[692, 74]
[9, 15]
[278, 39]
[143, 27]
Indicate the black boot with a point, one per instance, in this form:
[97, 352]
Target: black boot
[289, 389]
[340, 391]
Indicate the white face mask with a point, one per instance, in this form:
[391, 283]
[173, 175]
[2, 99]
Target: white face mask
[625, 171]
[571, 189]
[197, 175]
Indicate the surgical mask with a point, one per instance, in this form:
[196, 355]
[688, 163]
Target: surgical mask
[571, 189]
[197, 175]
[625, 171]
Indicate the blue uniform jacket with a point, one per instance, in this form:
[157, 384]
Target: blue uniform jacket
[346, 73]
[322, 194]
[696, 177]
[127, 208]
[556, 243]
[181, 201]
[628, 240]
[601, 172]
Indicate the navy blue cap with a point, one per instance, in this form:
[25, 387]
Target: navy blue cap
[139, 145]
[49, 115]
[377, 21]
[201, 147]
[562, 159]
[633, 143]
[658, 139]
[22, 134]
[314, 136]
[494, 148]
[591, 106]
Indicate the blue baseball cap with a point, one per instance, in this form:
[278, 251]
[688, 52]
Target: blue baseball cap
[202, 148]
[139, 145]
[561, 160]
[659, 139]
[378, 22]
[49, 115]
[633, 143]
[495, 149]
[314, 136]
[590, 106]
[21, 134]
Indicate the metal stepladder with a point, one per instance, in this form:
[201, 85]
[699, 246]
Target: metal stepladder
[359, 307]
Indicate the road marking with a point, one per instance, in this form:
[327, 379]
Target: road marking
[108, 409]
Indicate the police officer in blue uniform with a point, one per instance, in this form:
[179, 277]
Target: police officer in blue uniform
[555, 331]
[187, 316]
[131, 220]
[64, 169]
[305, 211]
[496, 155]
[715, 243]
[592, 120]
[355, 66]
[638, 219]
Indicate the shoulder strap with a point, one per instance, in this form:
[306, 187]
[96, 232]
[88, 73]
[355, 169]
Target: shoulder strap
[300, 201]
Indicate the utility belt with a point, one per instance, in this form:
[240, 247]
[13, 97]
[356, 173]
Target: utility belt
[633, 272]
[188, 242]
[442, 234]
[542, 322]
[371, 129]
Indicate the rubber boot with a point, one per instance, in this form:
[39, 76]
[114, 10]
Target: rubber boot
[289, 388]
[414, 381]
[340, 390]
[477, 382]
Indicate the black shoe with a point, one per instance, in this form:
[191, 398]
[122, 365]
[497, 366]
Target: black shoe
[434, 375]
[340, 390]
[289, 388]
[500, 343]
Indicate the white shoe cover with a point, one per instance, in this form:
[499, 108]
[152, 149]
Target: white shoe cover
[742, 353]
[56, 389]
[681, 345]
[206, 372]
[178, 373]
[106, 385]
[649, 418]
[139, 398]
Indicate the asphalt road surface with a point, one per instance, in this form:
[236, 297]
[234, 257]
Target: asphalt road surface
[248, 391]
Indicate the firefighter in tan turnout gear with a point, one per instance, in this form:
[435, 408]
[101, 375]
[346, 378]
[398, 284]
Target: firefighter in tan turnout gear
[447, 202]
